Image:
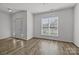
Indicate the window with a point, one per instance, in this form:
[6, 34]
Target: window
[49, 26]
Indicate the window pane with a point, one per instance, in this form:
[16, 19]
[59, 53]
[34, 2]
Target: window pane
[45, 22]
[53, 26]
[53, 31]
[53, 22]
[45, 31]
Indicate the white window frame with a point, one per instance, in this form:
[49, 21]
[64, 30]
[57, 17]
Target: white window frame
[49, 26]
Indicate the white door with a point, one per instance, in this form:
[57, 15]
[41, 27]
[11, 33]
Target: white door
[18, 28]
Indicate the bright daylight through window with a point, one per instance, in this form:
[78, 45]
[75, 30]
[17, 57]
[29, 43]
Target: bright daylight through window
[49, 26]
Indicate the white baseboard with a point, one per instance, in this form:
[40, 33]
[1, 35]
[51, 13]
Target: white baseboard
[1, 38]
[77, 44]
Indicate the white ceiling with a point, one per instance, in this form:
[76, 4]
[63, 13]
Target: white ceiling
[35, 7]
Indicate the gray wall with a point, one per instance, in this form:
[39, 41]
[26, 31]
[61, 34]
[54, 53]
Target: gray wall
[65, 24]
[4, 25]
[76, 25]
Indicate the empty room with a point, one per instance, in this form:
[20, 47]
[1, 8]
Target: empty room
[39, 28]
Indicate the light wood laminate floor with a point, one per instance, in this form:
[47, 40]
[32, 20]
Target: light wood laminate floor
[11, 46]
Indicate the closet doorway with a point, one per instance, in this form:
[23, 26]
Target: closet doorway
[18, 28]
[19, 24]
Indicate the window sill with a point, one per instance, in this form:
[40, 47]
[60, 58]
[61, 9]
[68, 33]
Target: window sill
[50, 35]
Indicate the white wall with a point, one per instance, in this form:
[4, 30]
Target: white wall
[76, 25]
[4, 25]
[29, 25]
[65, 24]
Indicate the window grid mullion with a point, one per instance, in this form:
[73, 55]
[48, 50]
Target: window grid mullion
[49, 26]
[49, 29]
